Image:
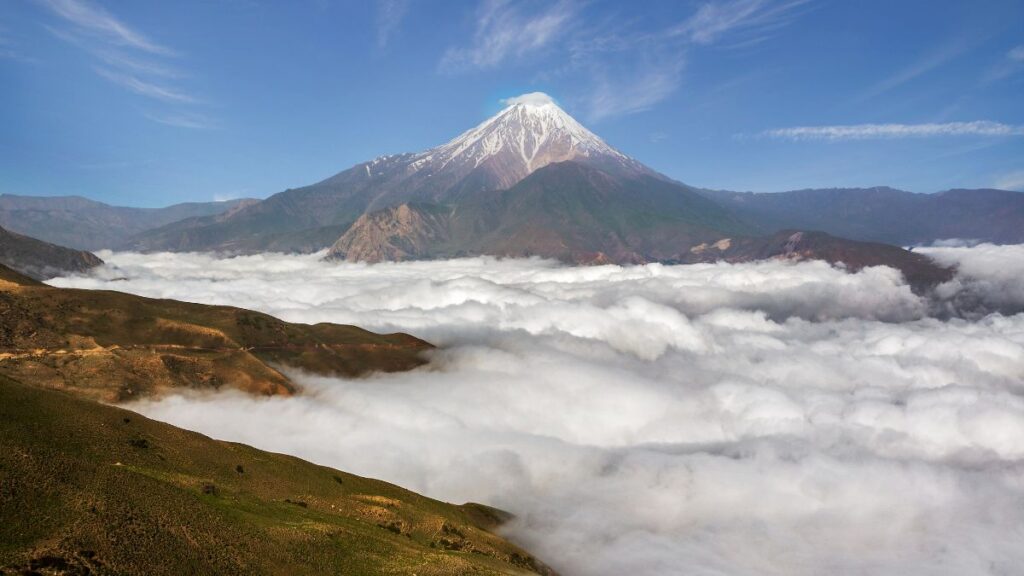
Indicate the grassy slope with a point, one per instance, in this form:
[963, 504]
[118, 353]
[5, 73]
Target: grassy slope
[94, 488]
[114, 346]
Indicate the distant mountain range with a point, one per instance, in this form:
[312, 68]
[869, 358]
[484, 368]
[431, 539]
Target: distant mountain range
[885, 214]
[532, 181]
[85, 224]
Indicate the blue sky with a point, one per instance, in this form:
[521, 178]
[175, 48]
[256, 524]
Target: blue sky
[148, 103]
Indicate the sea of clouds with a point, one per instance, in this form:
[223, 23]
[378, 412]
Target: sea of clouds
[768, 418]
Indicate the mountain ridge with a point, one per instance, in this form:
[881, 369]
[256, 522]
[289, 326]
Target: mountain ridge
[41, 260]
[884, 214]
[84, 224]
[478, 178]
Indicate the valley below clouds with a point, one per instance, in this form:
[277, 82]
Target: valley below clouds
[763, 418]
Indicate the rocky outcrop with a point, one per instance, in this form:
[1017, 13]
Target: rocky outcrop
[404, 232]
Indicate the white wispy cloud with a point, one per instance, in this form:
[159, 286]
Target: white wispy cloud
[127, 58]
[145, 66]
[390, 14]
[927, 63]
[714, 20]
[640, 91]
[143, 87]
[1011, 181]
[883, 131]
[505, 30]
[1010, 64]
[626, 67]
[183, 120]
[655, 61]
[96, 21]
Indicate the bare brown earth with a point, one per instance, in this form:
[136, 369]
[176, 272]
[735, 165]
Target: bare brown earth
[114, 347]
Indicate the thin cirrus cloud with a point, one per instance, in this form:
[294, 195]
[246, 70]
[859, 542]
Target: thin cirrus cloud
[97, 22]
[504, 31]
[625, 70]
[890, 131]
[144, 88]
[714, 20]
[390, 14]
[128, 59]
[1011, 181]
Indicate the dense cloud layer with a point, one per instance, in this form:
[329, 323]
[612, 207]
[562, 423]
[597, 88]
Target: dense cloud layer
[713, 419]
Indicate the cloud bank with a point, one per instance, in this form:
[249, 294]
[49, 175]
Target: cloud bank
[769, 418]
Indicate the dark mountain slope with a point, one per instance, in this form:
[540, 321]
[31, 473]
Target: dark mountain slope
[42, 260]
[92, 489]
[921, 272]
[885, 214]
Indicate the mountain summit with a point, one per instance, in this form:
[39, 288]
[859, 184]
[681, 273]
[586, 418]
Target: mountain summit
[530, 133]
[529, 181]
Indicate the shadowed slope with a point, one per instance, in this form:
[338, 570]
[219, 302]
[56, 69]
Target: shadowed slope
[920, 271]
[42, 260]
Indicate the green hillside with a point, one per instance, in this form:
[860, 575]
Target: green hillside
[87, 488]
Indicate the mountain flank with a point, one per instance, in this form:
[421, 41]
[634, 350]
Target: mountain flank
[566, 210]
[42, 260]
[116, 347]
[90, 489]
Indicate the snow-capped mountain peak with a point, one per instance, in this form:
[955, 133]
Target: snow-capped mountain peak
[531, 132]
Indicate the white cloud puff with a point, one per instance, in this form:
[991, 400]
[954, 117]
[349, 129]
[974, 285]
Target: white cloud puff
[769, 418]
[529, 99]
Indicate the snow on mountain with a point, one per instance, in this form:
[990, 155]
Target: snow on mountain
[530, 133]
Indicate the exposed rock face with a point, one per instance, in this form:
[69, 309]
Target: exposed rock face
[42, 260]
[401, 232]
